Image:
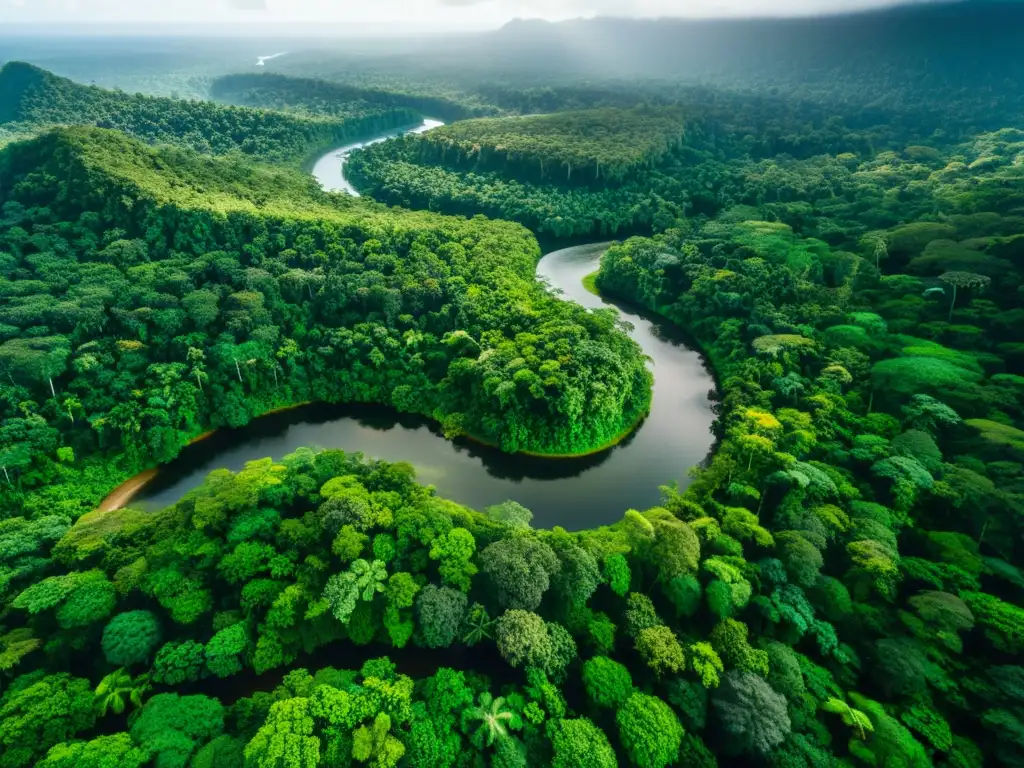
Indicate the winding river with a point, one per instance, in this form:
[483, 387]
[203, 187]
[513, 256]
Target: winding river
[329, 169]
[573, 493]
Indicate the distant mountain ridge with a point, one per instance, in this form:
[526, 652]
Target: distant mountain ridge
[676, 46]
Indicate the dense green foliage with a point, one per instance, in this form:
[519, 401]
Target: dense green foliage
[32, 99]
[604, 145]
[150, 296]
[322, 98]
[737, 149]
[566, 174]
[560, 211]
[871, 426]
[839, 585]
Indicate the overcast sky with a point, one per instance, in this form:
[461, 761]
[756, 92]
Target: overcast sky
[438, 14]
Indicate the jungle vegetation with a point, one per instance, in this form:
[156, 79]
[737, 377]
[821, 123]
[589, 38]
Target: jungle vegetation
[839, 585]
[733, 150]
[32, 99]
[603, 145]
[324, 98]
[150, 295]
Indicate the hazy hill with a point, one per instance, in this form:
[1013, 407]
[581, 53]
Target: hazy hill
[322, 98]
[96, 164]
[949, 67]
[965, 38]
[34, 99]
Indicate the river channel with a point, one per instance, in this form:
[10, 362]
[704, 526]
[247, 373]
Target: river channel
[573, 493]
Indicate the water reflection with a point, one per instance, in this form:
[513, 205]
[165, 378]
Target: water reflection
[573, 493]
[353, 428]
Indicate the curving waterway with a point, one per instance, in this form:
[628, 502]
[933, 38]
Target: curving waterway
[573, 493]
[330, 169]
[261, 61]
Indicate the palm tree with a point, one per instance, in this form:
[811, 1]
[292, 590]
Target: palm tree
[479, 625]
[495, 720]
[963, 280]
[880, 251]
[112, 690]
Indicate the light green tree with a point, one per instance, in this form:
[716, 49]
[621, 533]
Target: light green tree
[116, 688]
[493, 720]
[286, 739]
[852, 718]
[375, 746]
[362, 581]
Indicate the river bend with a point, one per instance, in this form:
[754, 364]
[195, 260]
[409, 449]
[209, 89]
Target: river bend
[573, 493]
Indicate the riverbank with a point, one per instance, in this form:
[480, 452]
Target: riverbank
[327, 167]
[576, 492]
[607, 446]
[314, 157]
[670, 433]
[133, 486]
[126, 491]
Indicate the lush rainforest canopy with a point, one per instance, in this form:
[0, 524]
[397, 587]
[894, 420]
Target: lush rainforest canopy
[323, 98]
[166, 294]
[839, 585]
[31, 98]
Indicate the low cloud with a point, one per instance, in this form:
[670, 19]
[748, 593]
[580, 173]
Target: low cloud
[410, 13]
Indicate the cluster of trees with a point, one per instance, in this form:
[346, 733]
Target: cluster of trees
[603, 146]
[565, 175]
[150, 295]
[737, 150]
[871, 440]
[559, 211]
[840, 585]
[32, 99]
[835, 185]
[255, 571]
[323, 98]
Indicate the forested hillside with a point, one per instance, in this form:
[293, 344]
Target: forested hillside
[694, 158]
[32, 99]
[321, 98]
[151, 295]
[604, 146]
[736, 150]
[566, 174]
[834, 217]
